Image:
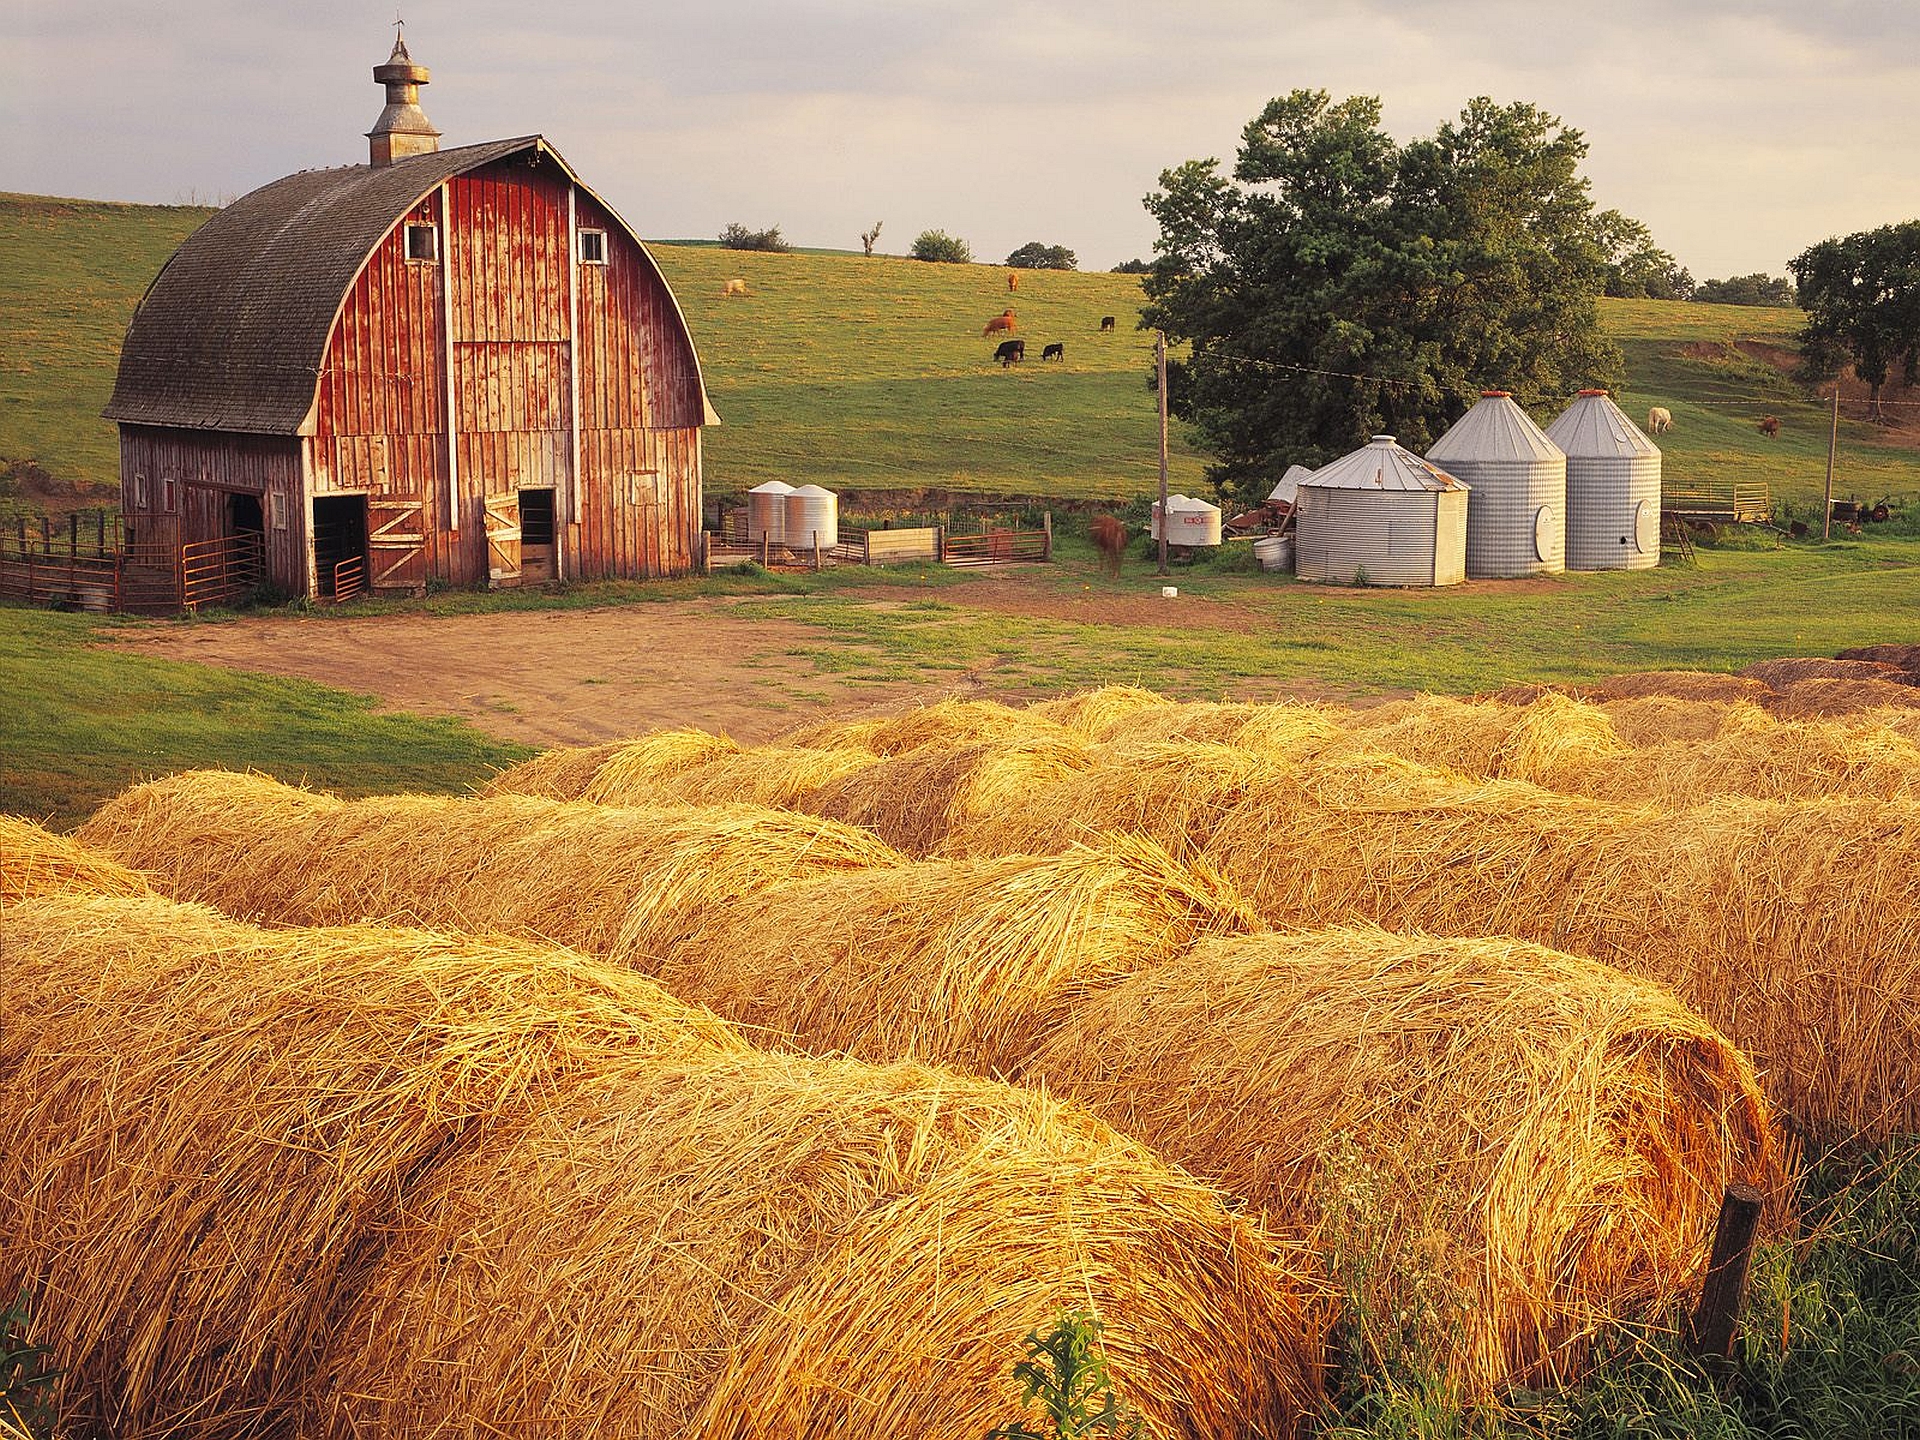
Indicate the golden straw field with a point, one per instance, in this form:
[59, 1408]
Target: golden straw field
[677, 1086]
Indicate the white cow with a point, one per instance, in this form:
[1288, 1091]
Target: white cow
[1659, 420]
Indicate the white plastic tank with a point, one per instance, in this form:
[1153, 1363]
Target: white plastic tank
[813, 518]
[1189, 521]
[767, 512]
[1613, 486]
[1382, 516]
[1517, 512]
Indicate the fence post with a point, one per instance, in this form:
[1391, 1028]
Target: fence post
[816, 549]
[940, 544]
[1710, 1330]
[1046, 524]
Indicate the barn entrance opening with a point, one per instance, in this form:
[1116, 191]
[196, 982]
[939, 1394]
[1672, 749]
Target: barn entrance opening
[340, 545]
[244, 516]
[536, 536]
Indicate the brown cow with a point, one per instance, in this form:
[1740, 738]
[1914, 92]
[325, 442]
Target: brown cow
[1110, 539]
[734, 287]
[1013, 280]
[1002, 321]
[1770, 427]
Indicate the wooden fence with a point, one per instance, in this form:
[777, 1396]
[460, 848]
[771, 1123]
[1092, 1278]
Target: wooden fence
[1740, 502]
[144, 579]
[931, 544]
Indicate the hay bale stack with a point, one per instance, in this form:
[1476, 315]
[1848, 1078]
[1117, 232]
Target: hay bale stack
[602, 879]
[945, 723]
[916, 799]
[1820, 696]
[779, 1246]
[1540, 742]
[35, 861]
[632, 775]
[211, 1132]
[559, 774]
[782, 777]
[1655, 719]
[1677, 685]
[965, 963]
[1286, 728]
[1781, 673]
[1101, 713]
[1524, 1148]
[204, 833]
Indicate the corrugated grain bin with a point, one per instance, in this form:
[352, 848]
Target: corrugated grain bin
[1189, 521]
[1613, 486]
[1517, 515]
[767, 512]
[1382, 516]
[813, 517]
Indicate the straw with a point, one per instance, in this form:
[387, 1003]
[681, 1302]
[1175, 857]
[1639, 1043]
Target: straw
[34, 861]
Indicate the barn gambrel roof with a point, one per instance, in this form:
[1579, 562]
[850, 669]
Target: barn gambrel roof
[232, 331]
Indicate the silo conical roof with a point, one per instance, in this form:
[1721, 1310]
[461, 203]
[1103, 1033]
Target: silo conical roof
[1289, 485]
[1593, 427]
[1382, 464]
[1495, 430]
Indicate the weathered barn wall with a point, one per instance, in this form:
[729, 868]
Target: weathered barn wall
[206, 466]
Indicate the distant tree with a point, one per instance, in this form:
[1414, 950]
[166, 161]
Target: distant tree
[939, 246]
[1758, 288]
[1636, 268]
[739, 237]
[869, 237]
[1862, 298]
[1035, 256]
[1337, 285]
[1131, 267]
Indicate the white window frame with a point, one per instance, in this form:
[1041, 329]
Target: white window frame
[599, 239]
[432, 232]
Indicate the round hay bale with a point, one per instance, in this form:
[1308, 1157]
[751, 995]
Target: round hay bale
[914, 800]
[559, 774]
[1655, 719]
[1781, 673]
[1101, 713]
[206, 835]
[1173, 793]
[1900, 656]
[765, 1246]
[780, 776]
[213, 1132]
[35, 861]
[633, 773]
[945, 723]
[1821, 696]
[1519, 1149]
[1435, 730]
[964, 963]
[1678, 685]
[598, 878]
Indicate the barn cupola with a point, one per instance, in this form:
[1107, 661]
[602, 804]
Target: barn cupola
[403, 128]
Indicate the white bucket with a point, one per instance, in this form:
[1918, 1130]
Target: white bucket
[1168, 592]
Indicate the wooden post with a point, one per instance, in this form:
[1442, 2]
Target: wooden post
[1833, 440]
[1046, 525]
[816, 549]
[1711, 1330]
[100, 546]
[1160, 372]
[766, 551]
[73, 535]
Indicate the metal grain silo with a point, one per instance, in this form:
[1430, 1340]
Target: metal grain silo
[813, 518]
[1382, 516]
[767, 512]
[1613, 486]
[1517, 513]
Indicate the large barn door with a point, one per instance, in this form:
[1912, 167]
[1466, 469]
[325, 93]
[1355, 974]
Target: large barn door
[396, 542]
[503, 539]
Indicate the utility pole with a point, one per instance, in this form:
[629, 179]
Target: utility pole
[1833, 440]
[1160, 385]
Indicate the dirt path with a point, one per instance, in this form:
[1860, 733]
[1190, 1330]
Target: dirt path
[552, 677]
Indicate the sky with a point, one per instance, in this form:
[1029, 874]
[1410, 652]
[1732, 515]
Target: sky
[1739, 134]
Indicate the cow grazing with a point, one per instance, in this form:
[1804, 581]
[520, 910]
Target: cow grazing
[1011, 352]
[734, 287]
[1659, 420]
[1110, 539]
[1106, 322]
[1002, 321]
[1054, 352]
[1770, 427]
[1013, 280]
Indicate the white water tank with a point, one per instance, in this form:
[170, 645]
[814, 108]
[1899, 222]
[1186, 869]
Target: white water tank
[1189, 521]
[767, 512]
[813, 518]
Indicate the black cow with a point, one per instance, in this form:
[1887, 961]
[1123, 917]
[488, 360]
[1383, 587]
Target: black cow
[1011, 352]
[1054, 352]
[1106, 322]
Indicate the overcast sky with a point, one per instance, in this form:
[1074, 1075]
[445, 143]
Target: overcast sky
[1740, 134]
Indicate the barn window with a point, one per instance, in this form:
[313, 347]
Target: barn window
[277, 510]
[593, 247]
[170, 489]
[139, 492]
[423, 242]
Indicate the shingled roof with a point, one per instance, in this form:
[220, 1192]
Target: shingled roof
[232, 332]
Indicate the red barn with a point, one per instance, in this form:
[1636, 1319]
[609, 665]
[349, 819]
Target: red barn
[456, 366]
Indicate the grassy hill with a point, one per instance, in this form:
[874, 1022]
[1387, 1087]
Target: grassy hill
[872, 374]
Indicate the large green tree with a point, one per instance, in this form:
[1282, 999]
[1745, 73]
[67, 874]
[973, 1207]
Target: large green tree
[1862, 298]
[1337, 284]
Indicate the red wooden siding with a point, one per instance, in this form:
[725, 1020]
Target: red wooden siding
[205, 466]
